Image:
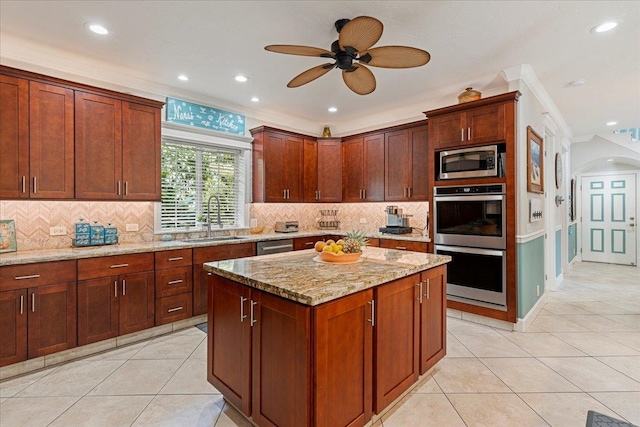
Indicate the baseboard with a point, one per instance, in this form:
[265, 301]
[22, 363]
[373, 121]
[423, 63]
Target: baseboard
[523, 324]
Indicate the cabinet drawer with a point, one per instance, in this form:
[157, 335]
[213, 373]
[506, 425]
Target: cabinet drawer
[305, 242]
[39, 274]
[92, 268]
[173, 308]
[175, 258]
[173, 281]
[403, 245]
[374, 242]
[220, 252]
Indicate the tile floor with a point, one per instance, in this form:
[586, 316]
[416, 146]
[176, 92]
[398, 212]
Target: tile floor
[582, 352]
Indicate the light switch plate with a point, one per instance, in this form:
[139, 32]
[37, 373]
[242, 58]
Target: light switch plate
[363, 220]
[131, 227]
[254, 222]
[57, 231]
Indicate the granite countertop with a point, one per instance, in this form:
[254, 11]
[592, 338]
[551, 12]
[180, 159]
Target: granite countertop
[298, 276]
[62, 254]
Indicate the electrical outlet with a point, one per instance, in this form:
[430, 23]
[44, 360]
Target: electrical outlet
[57, 231]
[363, 220]
[254, 222]
[131, 227]
[538, 290]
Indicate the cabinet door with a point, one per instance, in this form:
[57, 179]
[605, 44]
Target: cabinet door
[373, 157]
[140, 152]
[310, 171]
[98, 309]
[397, 338]
[293, 168]
[274, 165]
[13, 326]
[352, 170]
[447, 130]
[329, 170]
[229, 341]
[433, 316]
[403, 245]
[281, 364]
[420, 170]
[137, 305]
[397, 161]
[343, 348]
[51, 142]
[52, 319]
[98, 128]
[14, 137]
[485, 124]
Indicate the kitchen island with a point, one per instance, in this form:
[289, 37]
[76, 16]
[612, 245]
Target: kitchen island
[293, 341]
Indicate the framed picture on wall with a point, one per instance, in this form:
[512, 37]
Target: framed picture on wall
[7, 236]
[535, 162]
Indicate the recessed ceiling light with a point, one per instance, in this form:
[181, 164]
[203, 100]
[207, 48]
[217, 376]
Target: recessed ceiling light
[255, 99]
[578, 82]
[240, 78]
[606, 26]
[183, 77]
[332, 109]
[609, 160]
[98, 29]
[612, 123]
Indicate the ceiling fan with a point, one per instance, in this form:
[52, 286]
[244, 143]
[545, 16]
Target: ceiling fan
[355, 41]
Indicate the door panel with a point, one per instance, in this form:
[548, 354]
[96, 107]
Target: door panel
[52, 319]
[609, 219]
[97, 309]
[14, 137]
[13, 326]
[137, 304]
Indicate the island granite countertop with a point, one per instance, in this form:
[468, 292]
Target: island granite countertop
[300, 276]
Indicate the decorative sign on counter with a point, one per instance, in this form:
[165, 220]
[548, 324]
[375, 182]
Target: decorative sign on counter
[191, 114]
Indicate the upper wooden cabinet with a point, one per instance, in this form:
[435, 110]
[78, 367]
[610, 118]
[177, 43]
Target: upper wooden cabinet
[363, 169]
[277, 165]
[323, 170]
[14, 137]
[406, 164]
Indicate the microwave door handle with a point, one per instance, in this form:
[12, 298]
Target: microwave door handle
[485, 197]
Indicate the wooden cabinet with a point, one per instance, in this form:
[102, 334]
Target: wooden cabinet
[277, 165]
[323, 170]
[363, 169]
[479, 125]
[38, 315]
[14, 137]
[406, 164]
[258, 352]
[117, 149]
[115, 296]
[403, 245]
[433, 317]
[343, 348]
[208, 254]
[397, 338]
[300, 243]
[174, 286]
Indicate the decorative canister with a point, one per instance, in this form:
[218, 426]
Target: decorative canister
[82, 233]
[82, 227]
[469, 95]
[110, 234]
[97, 234]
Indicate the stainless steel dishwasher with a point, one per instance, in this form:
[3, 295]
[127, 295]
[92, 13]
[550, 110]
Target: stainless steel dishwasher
[274, 246]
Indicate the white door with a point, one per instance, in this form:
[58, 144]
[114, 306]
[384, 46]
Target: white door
[609, 219]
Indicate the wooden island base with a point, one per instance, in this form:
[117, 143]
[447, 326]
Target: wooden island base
[287, 364]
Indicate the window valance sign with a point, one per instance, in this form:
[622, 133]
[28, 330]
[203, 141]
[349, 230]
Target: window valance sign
[204, 117]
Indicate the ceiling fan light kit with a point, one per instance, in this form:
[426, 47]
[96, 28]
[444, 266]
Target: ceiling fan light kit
[355, 40]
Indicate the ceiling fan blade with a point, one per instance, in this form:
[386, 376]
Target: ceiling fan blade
[396, 57]
[361, 81]
[290, 49]
[310, 75]
[360, 33]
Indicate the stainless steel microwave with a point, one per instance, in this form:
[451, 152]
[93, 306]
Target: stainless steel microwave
[470, 162]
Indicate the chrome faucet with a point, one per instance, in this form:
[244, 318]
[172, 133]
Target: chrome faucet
[209, 214]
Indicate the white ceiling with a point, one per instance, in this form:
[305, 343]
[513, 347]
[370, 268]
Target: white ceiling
[470, 43]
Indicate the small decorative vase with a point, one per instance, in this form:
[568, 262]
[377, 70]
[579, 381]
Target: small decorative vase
[469, 95]
[326, 132]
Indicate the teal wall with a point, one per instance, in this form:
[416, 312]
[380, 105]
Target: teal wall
[530, 274]
[558, 252]
[573, 242]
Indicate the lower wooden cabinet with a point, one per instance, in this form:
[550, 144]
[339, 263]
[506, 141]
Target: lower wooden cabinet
[13, 327]
[433, 317]
[403, 245]
[174, 285]
[174, 308]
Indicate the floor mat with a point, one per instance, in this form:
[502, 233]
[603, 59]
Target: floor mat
[202, 326]
[596, 419]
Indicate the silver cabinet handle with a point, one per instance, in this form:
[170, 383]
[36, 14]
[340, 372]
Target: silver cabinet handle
[461, 134]
[361, 193]
[284, 194]
[174, 282]
[242, 315]
[364, 193]
[253, 320]
[126, 188]
[404, 191]
[31, 276]
[171, 310]
[409, 191]
[401, 248]
[115, 289]
[178, 258]
[372, 303]
[33, 302]
[469, 134]
[124, 287]
[428, 288]
[288, 193]
[309, 243]
[319, 194]
[419, 285]
[35, 185]
[24, 184]
[21, 304]
[119, 265]
[119, 185]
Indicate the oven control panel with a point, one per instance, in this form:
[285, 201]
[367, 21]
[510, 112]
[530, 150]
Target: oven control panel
[535, 210]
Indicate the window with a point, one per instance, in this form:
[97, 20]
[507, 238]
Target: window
[191, 173]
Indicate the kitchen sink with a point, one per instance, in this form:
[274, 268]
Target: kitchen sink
[213, 239]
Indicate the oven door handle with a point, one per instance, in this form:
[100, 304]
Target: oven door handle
[465, 250]
[469, 198]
